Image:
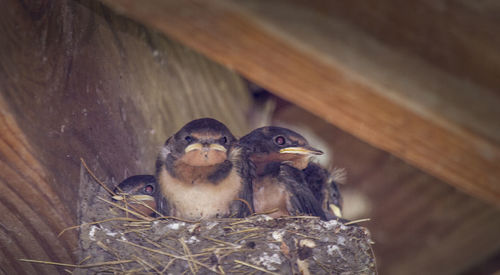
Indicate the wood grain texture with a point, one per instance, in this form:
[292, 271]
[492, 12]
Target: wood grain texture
[237, 38]
[32, 212]
[78, 81]
[460, 37]
[395, 74]
[419, 224]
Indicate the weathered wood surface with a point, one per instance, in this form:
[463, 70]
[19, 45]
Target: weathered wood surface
[419, 224]
[460, 36]
[381, 94]
[78, 81]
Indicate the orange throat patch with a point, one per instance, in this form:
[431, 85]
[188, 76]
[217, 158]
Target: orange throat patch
[295, 160]
[193, 174]
[203, 157]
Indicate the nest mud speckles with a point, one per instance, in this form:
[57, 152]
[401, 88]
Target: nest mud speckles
[229, 246]
[255, 245]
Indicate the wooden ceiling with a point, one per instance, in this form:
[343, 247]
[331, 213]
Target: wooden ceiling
[376, 88]
[78, 81]
[417, 80]
[405, 94]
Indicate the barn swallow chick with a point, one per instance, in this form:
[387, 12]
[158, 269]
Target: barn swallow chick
[202, 174]
[279, 156]
[140, 192]
[323, 184]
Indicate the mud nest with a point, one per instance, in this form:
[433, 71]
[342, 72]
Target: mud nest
[115, 241]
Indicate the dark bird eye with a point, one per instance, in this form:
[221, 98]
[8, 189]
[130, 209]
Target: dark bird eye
[223, 140]
[149, 189]
[188, 138]
[279, 140]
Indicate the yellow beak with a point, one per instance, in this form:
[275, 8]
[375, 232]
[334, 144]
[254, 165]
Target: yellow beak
[135, 197]
[301, 151]
[336, 210]
[218, 147]
[192, 147]
[199, 146]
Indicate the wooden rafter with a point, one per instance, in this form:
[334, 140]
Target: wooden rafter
[441, 144]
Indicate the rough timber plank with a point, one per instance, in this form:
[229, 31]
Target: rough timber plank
[458, 36]
[423, 135]
[407, 79]
[79, 81]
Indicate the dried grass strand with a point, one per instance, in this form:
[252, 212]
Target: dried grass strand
[221, 269]
[255, 267]
[245, 230]
[136, 201]
[175, 218]
[96, 222]
[168, 265]
[170, 255]
[126, 209]
[77, 265]
[358, 221]
[247, 204]
[192, 266]
[95, 178]
[267, 212]
[85, 259]
[144, 262]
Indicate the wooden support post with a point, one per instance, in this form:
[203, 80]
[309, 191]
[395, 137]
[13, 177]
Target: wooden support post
[78, 81]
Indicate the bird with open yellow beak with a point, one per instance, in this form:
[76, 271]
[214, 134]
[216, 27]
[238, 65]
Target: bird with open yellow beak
[279, 156]
[140, 192]
[202, 174]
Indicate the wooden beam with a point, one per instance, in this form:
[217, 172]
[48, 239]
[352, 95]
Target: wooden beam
[458, 36]
[79, 81]
[424, 135]
[393, 73]
[32, 213]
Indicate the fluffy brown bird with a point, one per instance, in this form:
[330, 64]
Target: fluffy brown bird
[280, 155]
[202, 174]
[140, 192]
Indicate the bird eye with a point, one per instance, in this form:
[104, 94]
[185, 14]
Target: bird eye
[279, 140]
[149, 189]
[223, 140]
[188, 138]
